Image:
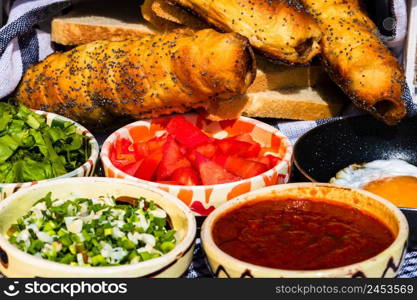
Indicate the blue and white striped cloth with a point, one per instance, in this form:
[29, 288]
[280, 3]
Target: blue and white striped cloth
[23, 43]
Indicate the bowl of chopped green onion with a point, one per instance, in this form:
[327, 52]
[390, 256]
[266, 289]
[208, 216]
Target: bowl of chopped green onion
[38, 145]
[95, 227]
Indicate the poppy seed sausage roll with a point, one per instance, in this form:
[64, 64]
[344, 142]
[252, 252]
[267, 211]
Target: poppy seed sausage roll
[357, 60]
[151, 76]
[278, 29]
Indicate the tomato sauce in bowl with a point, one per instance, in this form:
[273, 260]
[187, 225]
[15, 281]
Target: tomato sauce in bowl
[300, 234]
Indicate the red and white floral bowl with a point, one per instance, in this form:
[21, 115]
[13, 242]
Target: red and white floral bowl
[205, 198]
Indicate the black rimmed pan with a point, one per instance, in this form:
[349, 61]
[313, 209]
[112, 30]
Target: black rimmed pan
[323, 151]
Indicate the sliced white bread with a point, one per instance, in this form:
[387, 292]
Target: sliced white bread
[307, 103]
[158, 22]
[93, 20]
[169, 12]
[270, 76]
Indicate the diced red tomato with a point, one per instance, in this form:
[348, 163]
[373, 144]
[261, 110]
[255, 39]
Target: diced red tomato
[253, 150]
[233, 147]
[212, 173]
[143, 149]
[112, 153]
[122, 146]
[186, 176]
[261, 159]
[220, 159]
[273, 160]
[149, 166]
[244, 168]
[132, 168]
[121, 159]
[157, 142]
[126, 159]
[208, 149]
[190, 154]
[191, 157]
[172, 160]
[154, 143]
[112, 156]
[186, 133]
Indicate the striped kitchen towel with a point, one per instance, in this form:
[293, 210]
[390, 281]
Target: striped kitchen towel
[21, 43]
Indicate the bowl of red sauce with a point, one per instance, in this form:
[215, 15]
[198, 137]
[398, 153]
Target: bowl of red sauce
[202, 162]
[306, 230]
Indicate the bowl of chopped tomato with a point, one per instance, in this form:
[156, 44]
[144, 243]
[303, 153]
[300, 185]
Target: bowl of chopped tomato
[202, 162]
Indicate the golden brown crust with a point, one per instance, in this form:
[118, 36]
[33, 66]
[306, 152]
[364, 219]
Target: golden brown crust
[175, 14]
[357, 60]
[276, 28]
[150, 76]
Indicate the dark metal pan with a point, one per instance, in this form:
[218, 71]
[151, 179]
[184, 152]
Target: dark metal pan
[323, 151]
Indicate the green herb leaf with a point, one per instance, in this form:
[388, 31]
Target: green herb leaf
[31, 150]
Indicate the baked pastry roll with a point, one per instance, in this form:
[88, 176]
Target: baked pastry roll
[357, 60]
[151, 76]
[278, 29]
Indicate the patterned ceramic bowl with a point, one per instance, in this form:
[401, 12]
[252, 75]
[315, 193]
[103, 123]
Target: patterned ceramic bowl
[16, 263]
[87, 169]
[204, 199]
[385, 264]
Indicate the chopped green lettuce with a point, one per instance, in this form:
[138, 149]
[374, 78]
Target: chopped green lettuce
[31, 150]
[94, 232]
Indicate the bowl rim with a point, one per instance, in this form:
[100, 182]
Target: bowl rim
[208, 241]
[301, 138]
[179, 250]
[287, 158]
[94, 147]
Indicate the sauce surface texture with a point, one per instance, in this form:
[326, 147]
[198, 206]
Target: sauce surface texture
[300, 234]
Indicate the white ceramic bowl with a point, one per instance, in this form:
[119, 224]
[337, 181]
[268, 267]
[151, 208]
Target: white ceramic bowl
[16, 263]
[385, 264]
[86, 169]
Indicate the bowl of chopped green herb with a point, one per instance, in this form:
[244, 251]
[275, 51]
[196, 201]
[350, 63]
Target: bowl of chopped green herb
[38, 145]
[95, 227]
